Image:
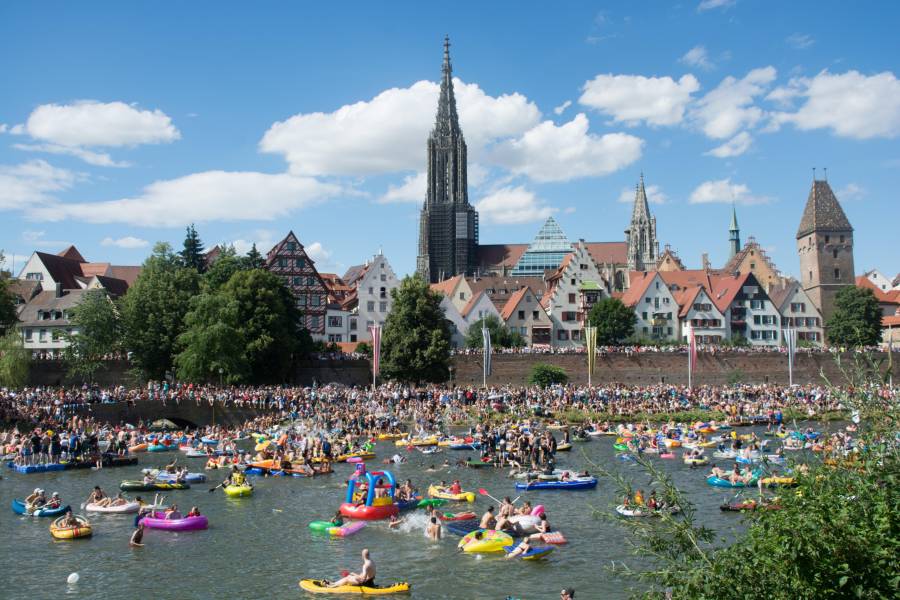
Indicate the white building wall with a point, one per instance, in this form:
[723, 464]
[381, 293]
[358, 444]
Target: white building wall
[565, 302]
[798, 312]
[657, 313]
[762, 317]
[373, 293]
[34, 269]
[702, 309]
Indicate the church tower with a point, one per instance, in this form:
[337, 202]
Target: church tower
[734, 234]
[448, 224]
[825, 246]
[640, 237]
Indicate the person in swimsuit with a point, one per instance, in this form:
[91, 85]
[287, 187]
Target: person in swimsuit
[366, 576]
[487, 519]
[521, 549]
[137, 538]
[434, 529]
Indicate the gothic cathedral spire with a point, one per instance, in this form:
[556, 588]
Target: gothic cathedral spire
[643, 248]
[448, 225]
[734, 234]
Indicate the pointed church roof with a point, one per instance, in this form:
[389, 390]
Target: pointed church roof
[734, 224]
[823, 212]
[641, 208]
[447, 120]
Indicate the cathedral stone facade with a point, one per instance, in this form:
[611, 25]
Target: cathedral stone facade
[448, 225]
[643, 247]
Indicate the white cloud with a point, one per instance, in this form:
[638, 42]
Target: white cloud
[32, 183]
[562, 107]
[91, 123]
[850, 104]
[733, 147]
[17, 129]
[559, 153]
[801, 41]
[11, 261]
[317, 252]
[125, 242]
[386, 134]
[100, 159]
[3, 127]
[511, 206]
[729, 107]
[198, 198]
[724, 191]
[697, 57]
[851, 191]
[713, 4]
[655, 195]
[631, 99]
[263, 238]
[569, 210]
[413, 189]
[38, 239]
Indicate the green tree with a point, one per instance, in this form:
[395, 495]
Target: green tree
[546, 375]
[614, 321]
[501, 335]
[269, 322]
[192, 253]
[254, 260]
[227, 264]
[154, 308]
[856, 320]
[364, 348]
[416, 337]
[213, 345]
[8, 316]
[14, 361]
[96, 333]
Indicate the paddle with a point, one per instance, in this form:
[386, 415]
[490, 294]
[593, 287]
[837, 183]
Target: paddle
[483, 492]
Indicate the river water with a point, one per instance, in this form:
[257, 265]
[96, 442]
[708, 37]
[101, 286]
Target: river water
[261, 546]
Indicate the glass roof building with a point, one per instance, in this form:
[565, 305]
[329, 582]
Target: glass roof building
[546, 252]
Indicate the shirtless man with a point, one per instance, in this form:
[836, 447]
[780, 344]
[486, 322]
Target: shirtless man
[488, 521]
[365, 577]
[434, 529]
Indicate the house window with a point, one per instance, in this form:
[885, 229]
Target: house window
[300, 263]
[371, 291]
[383, 275]
[670, 330]
[583, 267]
[810, 275]
[576, 334]
[644, 316]
[523, 331]
[571, 298]
[335, 337]
[562, 334]
[291, 246]
[282, 262]
[462, 295]
[535, 315]
[756, 304]
[665, 300]
[28, 335]
[842, 239]
[834, 253]
[827, 238]
[43, 336]
[645, 330]
[752, 266]
[298, 281]
[382, 306]
[521, 315]
[34, 276]
[647, 300]
[352, 324]
[302, 300]
[335, 321]
[837, 273]
[656, 302]
[370, 306]
[382, 293]
[352, 337]
[572, 281]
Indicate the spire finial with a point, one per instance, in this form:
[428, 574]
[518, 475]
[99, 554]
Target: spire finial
[826, 173]
[447, 53]
[814, 173]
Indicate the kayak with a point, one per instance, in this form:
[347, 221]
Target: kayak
[436, 492]
[237, 491]
[19, 508]
[318, 586]
[130, 507]
[81, 530]
[140, 486]
[158, 520]
[485, 540]
[588, 483]
[346, 530]
[533, 553]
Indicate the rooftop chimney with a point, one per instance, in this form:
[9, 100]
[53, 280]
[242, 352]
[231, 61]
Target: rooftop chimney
[59, 290]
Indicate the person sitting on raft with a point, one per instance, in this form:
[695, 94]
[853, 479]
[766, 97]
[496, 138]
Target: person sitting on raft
[170, 468]
[521, 549]
[488, 521]
[194, 512]
[149, 479]
[36, 499]
[366, 576]
[172, 513]
[69, 520]
[54, 501]
[98, 497]
[718, 472]
[542, 527]
[119, 500]
[338, 519]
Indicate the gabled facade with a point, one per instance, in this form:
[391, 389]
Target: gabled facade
[669, 261]
[888, 301]
[698, 313]
[879, 280]
[573, 289]
[289, 260]
[747, 308]
[44, 321]
[654, 305]
[523, 313]
[372, 289]
[797, 311]
[752, 258]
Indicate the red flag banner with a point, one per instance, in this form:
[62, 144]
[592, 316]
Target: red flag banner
[376, 349]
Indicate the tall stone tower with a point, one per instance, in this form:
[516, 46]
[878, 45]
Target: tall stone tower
[734, 234]
[825, 246]
[643, 249]
[448, 224]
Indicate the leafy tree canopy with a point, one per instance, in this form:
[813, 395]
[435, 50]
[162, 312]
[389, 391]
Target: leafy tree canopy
[416, 337]
[96, 332]
[226, 264]
[213, 344]
[614, 321]
[856, 320]
[14, 361]
[192, 253]
[254, 260]
[8, 317]
[501, 335]
[546, 375]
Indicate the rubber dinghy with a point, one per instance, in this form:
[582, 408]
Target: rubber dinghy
[19, 508]
[587, 483]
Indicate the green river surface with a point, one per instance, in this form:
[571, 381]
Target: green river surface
[260, 547]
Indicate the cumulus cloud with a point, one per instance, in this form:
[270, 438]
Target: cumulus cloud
[317, 252]
[386, 134]
[99, 159]
[801, 41]
[713, 4]
[511, 206]
[3, 127]
[733, 147]
[413, 189]
[849, 104]
[263, 238]
[91, 123]
[558, 110]
[198, 198]
[631, 99]
[851, 191]
[724, 191]
[128, 241]
[729, 107]
[559, 153]
[697, 57]
[655, 195]
[32, 183]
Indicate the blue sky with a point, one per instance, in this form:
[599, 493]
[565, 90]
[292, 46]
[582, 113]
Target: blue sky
[120, 123]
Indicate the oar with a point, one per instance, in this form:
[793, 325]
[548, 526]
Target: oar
[483, 492]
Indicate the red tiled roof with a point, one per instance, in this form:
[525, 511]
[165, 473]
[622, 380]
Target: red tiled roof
[127, 273]
[513, 302]
[446, 286]
[725, 288]
[685, 299]
[91, 269]
[72, 253]
[891, 297]
[890, 321]
[471, 304]
[608, 252]
[639, 282]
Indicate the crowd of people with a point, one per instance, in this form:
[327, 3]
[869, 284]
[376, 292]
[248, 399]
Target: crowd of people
[674, 348]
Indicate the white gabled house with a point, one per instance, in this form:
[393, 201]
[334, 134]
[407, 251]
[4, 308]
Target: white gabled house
[654, 305]
[572, 290]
